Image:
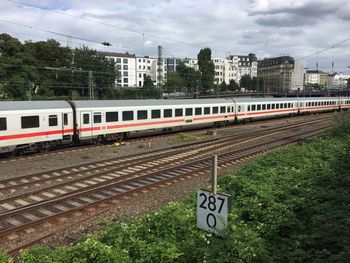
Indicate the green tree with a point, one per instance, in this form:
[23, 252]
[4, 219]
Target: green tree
[223, 86]
[149, 91]
[232, 86]
[206, 67]
[17, 69]
[102, 69]
[245, 82]
[174, 82]
[191, 78]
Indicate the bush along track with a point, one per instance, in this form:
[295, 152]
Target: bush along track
[289, 206]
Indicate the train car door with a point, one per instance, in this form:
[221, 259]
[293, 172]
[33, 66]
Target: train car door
[64, 122]
[85, 124]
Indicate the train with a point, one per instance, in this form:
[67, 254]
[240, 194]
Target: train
[38, 126]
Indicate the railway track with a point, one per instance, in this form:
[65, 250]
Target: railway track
[29, 200]
[81, 148]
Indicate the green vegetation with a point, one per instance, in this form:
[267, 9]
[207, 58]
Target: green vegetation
[45, 70]
[289, 206]
[182, 137]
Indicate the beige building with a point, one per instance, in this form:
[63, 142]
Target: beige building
[280, 74]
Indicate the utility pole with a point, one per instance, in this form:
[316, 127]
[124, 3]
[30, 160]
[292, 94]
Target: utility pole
[160, 71]
[91, 87]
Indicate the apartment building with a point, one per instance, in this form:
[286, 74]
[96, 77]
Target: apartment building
[125, 63]
[280, 74]
[232, 67]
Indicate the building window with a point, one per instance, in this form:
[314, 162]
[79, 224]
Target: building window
[125, 67]
[125, 80]
[125, 73]
[155, 114]
[3, 125]
[128, 115]
[189, 112]
[178, 112]
[53, 120]
[125, 61]
[168, 113]
[140, 75]
[112, 116]
[30, 122]
[97, 117]
[118, 60]
[142, 115]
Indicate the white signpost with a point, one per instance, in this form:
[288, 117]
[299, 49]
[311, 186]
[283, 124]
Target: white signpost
[212, 208]
[212, 211]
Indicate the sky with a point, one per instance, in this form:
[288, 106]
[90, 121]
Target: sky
[302, 29]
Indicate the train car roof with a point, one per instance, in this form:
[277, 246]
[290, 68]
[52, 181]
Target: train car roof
[265, 100]
[151, 102]
[33, 105]
[319, 98]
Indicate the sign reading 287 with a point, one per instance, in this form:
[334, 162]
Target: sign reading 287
[212, 211]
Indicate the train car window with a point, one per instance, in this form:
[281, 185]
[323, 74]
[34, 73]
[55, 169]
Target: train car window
[285, 105]
[277, 105]
[268, 106]
[111, 116]
[168, 113]
[30, 122]
[215, 110]
[258, 107]
[128, 115]
[281, 105]
[206, 110]
[198, 111]
[155, 114]
[3, 124]
[86, 118]
[253, 107]
[289, 105]
[232, 109]
[53, 120]
[273, 106]
[248, 107]
[178, 113]
[189, 112]
[142, 115]
[239, 108]
[264, 107]
[65, 119]
[222, 109]
[97, 117]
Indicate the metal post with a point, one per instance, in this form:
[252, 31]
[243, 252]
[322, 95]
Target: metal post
[90, 86]
[214, 178]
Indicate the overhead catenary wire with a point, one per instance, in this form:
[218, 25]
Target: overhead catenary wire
[141, 33]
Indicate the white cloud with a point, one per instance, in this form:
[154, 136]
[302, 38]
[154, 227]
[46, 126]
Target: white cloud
[264, 27]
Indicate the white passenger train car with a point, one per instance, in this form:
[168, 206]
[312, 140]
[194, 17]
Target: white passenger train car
[34, 125]
[116, 118]
[309, 105]
[254, 108]
[344, 103]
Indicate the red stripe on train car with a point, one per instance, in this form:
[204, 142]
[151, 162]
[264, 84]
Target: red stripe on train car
[143, 124]
[33, 134]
